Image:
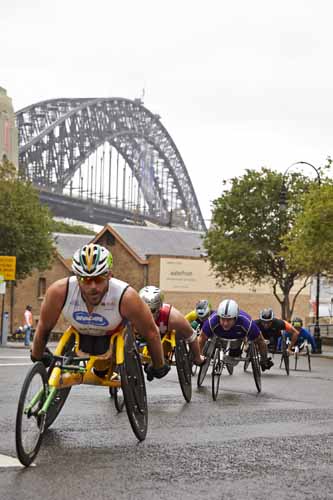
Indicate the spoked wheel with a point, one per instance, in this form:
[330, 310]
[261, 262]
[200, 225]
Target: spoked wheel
[184, 368]
[284, 356]
[254, 357]
[134, 388]
[208, 352]
[308, 355]
[29, 426]
[216, 372]
[230, 368]
[62, 394]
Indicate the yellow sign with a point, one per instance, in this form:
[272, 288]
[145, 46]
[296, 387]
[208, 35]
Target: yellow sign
[8, 267]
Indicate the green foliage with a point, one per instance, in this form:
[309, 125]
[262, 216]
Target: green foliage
[7, 170]
[62, 227]
[244, 243]
[25, 226]
[310, 242]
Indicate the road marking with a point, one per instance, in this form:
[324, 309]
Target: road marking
[15, 364]
[14, 357]
[6, 461]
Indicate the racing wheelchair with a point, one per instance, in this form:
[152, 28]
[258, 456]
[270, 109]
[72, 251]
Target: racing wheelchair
[176, 352]
[300, 350]
[227, 353]
[45, 391]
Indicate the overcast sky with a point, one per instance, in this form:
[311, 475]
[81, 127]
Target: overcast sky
[238, 85]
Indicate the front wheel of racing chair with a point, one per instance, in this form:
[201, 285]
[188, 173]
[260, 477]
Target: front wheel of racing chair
[184, 368]
[208, 352]
[68, 349]
[133, 387]
[284, 354]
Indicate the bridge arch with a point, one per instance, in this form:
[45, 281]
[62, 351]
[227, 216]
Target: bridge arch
[137, 165]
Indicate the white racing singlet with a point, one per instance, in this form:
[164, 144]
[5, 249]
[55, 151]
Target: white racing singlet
[105, 319]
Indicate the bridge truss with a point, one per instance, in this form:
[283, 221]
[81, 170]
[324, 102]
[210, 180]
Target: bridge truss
[109, 155]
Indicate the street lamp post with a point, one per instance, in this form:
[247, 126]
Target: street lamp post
[283, 204]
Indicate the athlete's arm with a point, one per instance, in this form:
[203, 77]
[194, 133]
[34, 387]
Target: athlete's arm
[138, 313]
[293, 333]
[49, 314]
[183, 328]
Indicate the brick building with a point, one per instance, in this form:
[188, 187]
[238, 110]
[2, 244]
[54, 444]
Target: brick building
[169, 258]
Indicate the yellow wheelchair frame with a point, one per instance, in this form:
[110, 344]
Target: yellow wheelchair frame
[176, 352]
[119, 367]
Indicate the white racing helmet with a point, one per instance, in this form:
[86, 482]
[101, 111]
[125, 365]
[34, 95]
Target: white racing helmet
[153, 297]
[228, 309]
[91, 260]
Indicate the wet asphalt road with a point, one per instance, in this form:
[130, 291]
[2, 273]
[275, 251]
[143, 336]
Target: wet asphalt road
[273, 445]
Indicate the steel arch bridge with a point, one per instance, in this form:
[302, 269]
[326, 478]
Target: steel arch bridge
[106, 159]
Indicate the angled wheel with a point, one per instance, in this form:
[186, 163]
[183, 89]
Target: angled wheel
[184, 368]
[284, 355]
[134, 388]
[308, 355]
[216, 372]
[230, 368]
[255, 363]
[62, 394]
[30, 426]
[208, 353]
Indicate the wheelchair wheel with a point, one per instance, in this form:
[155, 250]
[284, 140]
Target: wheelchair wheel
[118, 397]
[30, 427]
[216, 372]
[62, 394]
[134, 388]
[308, 355]
[184, 368]
[256, 371]
[230, 368]
[284, 355]
[208, 352]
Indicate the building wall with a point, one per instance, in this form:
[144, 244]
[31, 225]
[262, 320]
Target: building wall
[8, 130]
[27, 292]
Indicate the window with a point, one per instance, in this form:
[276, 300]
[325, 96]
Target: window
[41, 288]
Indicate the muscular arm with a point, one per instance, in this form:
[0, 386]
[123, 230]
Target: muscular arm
[293, 332]
[183, 328]
[138, 313]
[49, 314]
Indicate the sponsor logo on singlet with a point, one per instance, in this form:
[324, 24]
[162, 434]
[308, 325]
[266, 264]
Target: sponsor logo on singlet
[94, 319]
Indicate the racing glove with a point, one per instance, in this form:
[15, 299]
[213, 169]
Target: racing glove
[46, 358]
[266, 364]
[156, 372]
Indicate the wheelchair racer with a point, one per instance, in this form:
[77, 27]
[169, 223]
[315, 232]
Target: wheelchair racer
[168, 318]
[303, 335]
[272, 329]
[230, 322]
[97, 305]
[202, 311]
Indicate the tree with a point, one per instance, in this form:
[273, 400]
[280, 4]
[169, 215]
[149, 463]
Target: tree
[62, 227]
[25, 226]
[310, 242]
[244, 243]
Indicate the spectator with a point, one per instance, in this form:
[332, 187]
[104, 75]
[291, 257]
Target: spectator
[27, 325]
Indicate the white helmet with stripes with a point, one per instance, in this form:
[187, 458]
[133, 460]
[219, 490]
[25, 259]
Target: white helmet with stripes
[91, 260]
[228, 309]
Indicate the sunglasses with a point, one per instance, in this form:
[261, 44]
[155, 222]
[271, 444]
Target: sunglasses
[97, 279]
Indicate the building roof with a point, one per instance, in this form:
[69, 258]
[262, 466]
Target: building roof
[146, 241]
[67, 243]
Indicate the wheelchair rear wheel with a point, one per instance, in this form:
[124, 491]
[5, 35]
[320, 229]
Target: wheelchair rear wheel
[134, 388]
[30, 426]
[184, 368]
[254, 357]
[208, 352]
[284, 355]
[216, 372]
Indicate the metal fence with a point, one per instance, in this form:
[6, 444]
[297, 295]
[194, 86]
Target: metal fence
[326, 330]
